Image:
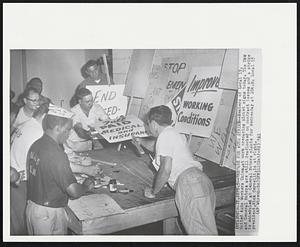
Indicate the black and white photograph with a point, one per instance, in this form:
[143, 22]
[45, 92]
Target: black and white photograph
[145, 141]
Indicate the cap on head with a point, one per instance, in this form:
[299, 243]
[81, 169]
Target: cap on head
[56, 116]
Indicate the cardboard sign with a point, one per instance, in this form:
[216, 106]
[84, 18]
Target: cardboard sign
[117, 131]
[175, 105]
[200, 102]
[59, 111]
[138, 73]
[110, 98]
[164, 83]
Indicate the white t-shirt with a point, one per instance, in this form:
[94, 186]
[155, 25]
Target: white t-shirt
[21, 118]
[25, 136]
[96, 112]
[171, 143]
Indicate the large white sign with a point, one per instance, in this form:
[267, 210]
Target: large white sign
[200, 102]
[111, 98]
[117, 131]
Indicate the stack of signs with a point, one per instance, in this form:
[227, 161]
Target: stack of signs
[200, 102]
[164, 83]
[118, 131]
[111, 98]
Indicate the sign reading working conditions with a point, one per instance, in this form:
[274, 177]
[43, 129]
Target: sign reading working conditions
[200, 102]
[111, 98]
[117, 131]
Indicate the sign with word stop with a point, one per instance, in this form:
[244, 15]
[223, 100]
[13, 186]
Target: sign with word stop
[111, 98]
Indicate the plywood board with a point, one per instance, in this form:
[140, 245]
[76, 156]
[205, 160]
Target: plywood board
[94, 206]
[230, 149]
[156, 90]
[229, 76]
[138, 73]
[211, 148]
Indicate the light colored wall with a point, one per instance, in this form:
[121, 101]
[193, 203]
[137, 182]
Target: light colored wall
[59, 71]
[16, 72]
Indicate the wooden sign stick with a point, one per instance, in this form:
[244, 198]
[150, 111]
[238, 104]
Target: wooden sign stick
[190, 139]
[106, 69]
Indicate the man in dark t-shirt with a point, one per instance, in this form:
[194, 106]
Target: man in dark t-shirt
[50, 180]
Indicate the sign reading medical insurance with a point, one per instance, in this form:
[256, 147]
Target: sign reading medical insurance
[200, 102]
[111, 98]
[117, 131]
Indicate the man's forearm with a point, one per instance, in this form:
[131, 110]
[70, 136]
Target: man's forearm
[160, 180]
[147, 143]
[82, 133]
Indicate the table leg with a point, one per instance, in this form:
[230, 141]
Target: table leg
[171, 227]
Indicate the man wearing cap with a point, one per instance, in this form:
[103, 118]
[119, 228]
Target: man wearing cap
[94, 75]
[50, 180]
[86, 114]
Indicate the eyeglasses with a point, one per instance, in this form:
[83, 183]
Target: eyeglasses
[33, 100]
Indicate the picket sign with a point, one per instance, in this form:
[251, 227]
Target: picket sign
[117, 131]
[111, 98]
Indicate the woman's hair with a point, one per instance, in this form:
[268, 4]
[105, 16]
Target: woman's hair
[160, 114]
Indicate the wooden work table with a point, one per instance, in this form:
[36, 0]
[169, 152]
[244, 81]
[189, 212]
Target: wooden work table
[136, 173]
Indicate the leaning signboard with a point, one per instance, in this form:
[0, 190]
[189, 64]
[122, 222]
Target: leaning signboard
[111, 98]
[200, 102]
[118, 131]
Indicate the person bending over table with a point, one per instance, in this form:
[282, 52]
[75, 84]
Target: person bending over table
[86, 114]
[194, 192]
[50, 179]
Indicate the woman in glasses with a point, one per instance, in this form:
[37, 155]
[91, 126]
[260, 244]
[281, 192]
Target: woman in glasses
[31, 103]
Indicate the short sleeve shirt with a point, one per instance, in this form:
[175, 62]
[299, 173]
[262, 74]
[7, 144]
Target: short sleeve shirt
[49, 173]
[89, 81]
[171, 143]
[96, 112]
[22, 139]
[21, 118]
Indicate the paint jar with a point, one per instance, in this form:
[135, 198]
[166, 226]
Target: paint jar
[112, 185]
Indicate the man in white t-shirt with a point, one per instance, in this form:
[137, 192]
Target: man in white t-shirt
[86, 114]
[195, 196]
[31, 100]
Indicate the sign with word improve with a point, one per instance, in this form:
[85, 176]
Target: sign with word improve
[200, 102]
[111, 98]
[117, 131]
